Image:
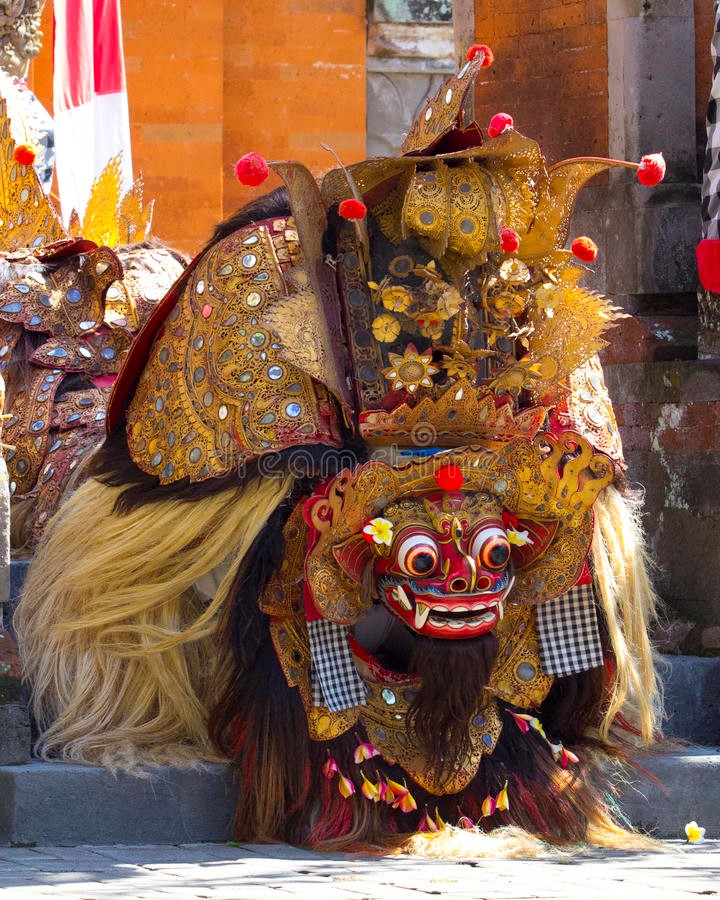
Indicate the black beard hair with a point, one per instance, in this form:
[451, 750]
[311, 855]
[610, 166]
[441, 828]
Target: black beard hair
[454, 674]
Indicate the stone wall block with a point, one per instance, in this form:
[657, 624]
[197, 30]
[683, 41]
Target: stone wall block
[14, 719]
[668, 382]
[651, 82]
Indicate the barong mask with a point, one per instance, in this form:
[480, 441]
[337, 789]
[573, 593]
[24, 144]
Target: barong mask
[447, 571]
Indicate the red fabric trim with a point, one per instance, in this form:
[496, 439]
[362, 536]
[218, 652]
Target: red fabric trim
[108, 47]
[73, 82]
[584, 577]
[708, 263]
[87, 51]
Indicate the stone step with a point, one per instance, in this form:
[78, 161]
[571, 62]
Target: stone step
[52, 803]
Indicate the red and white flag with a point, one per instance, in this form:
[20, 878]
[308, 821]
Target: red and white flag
[90, 97]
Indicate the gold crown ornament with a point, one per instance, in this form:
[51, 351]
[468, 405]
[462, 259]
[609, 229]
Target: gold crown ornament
[451, 311]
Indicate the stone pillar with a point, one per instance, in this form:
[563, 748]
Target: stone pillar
[652, 234]
[667, 401]
[14, 720]
[20, 35]
[410, 53]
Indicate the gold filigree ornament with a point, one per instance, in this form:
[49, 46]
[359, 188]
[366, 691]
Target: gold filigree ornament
[27, 218]
[68, 302]
[462, 415]
[550, 479]
[410, 371]
[222, 385]
[112, 218]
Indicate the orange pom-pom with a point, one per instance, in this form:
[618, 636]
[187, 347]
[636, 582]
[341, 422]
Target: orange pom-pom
[488, 55]
[509, 240]
[25, 154]
[251, 169]
[584, 248]
[352, 209]
[651, 170]
[498, 124]
[449, 478]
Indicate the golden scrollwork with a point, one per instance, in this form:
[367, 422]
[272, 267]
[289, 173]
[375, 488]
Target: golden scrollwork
[218, 387]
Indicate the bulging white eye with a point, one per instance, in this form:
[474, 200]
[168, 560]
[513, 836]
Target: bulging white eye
[417, 555]
[491, 548]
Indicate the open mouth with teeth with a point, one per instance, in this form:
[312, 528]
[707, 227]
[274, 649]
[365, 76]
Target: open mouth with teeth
[429, 610]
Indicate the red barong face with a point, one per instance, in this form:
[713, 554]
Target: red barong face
[448, 569]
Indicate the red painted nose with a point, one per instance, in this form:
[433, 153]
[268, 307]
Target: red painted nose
[461, 579]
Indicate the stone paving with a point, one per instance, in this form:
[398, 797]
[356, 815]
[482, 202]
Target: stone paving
[254, 872]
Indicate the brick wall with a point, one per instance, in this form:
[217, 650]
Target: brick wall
[550, 72]
[294, 73]
[209, 80]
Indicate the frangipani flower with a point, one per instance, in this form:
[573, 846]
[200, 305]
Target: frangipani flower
[449, 301]
[410, 371]
[377, 531]
[369, 790]
[548, 297]
[427, 823]
[567, 756]
[365, 751]
[394, 792]
[406, 803]
[519, 538]
[502, 801]
[345, 786]
[330, 767]
[382, 789]
[694, 833]
[489, 805]
[522, 721]
[525, 722]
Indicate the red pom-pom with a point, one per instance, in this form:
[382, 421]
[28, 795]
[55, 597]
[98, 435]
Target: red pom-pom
[708, 260]
[352, 209]
[488, 55]
[251, 169]
[509, 240]
[449, 478]
[24, 154]
[651, 170]
[584, 248]
[498, 124]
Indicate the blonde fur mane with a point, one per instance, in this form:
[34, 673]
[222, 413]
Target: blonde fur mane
[629, 603]
[116, 643]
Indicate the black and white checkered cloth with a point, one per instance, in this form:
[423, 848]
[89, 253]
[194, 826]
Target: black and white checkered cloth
[711, 178]
[567, 631]
[335, 681]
